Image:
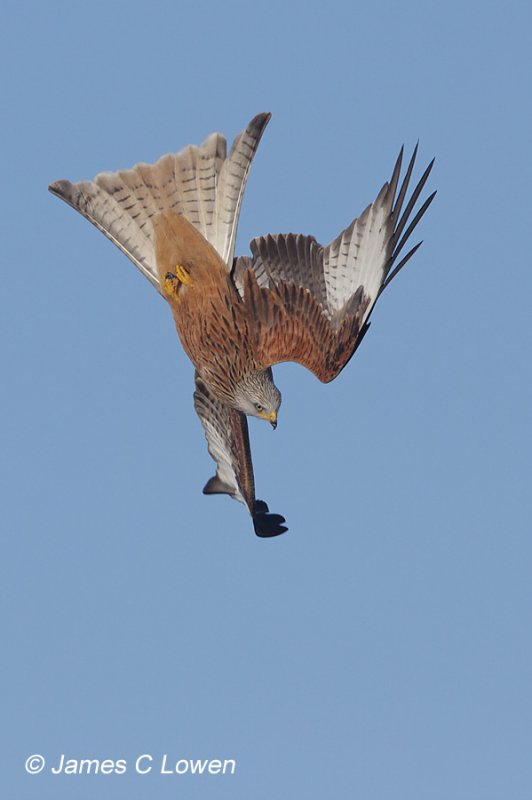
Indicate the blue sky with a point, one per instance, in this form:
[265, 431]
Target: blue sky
[383, 647]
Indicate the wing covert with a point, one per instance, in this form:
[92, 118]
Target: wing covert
[311, 304]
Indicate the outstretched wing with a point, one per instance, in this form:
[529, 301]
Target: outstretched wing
[200, 182]
[226, 431]
[310, 303]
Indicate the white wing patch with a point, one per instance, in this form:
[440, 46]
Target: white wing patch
[358, 255]
[360, 258]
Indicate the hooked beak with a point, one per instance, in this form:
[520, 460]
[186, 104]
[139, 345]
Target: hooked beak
[271, 418]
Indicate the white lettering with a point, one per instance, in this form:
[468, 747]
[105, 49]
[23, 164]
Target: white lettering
[57, 770]
[138, 763]
[86, 765]
[198, 766]
[165, 771]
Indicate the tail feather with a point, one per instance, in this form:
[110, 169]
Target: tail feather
[200, 183]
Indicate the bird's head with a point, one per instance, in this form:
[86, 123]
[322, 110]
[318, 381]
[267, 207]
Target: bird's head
[258, 396]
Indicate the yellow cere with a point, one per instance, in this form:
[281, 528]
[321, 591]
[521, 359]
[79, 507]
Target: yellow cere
[269, 417]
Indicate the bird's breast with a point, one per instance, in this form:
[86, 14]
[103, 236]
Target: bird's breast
[212, 325]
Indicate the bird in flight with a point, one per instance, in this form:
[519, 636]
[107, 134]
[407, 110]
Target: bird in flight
[293, 299]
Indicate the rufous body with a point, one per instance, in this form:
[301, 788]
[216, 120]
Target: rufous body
[206, 306]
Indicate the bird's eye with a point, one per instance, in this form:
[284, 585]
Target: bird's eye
[259, 408]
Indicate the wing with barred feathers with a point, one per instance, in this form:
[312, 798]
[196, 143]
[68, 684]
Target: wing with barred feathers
[226, 431]
[200, 182]
[310, 304]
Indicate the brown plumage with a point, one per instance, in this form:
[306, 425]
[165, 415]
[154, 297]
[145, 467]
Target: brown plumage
[288, 324]
[291, 300]
[210, 318]
[228, 339]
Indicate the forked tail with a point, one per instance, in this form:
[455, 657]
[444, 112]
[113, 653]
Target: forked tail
[202, 183]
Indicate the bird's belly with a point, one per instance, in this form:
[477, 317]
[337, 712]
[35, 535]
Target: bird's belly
[214, 334]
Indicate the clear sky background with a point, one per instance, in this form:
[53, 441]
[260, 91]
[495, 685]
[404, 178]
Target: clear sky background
[383, 647]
